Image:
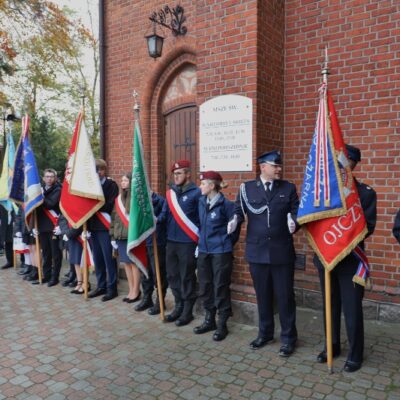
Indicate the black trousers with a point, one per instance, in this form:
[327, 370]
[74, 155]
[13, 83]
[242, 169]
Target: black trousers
[52, 255]
[270, 280]
[347, 295]
[214, 273]
[148, 284]
[181, 271]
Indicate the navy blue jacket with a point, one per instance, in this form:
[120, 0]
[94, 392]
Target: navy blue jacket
[268, 240]
[188, 198]
[110, 190]
[51, 202]
[160, 211]
[213, 222]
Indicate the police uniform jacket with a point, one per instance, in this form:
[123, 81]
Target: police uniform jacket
[213, 221]
[160, 211]
[110, 190]
[396, 227]
[188, 198]
[368, 203]
[68, 230]
[51, 202]
[268, 240]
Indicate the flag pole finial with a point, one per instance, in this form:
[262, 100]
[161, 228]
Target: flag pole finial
[325, 70]
[136, 106]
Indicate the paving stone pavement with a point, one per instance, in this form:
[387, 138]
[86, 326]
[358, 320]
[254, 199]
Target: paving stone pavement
[54, 345]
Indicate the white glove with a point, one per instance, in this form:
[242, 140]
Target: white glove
[196, 252]
[114, 244]
[290, 223]
[18, 234]
[232, 225]
[35, 232]
[65, 238]
[85, 235]
[57, 231]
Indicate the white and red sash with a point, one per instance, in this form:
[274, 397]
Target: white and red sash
[105, 218]
[180, 217]
[121, 211]
[52, 216]
[89, 254]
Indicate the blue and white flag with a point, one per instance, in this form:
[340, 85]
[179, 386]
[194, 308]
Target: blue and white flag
[7, 174]
[26, 188]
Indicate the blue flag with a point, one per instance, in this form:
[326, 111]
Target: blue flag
[322, 194]
[7, 173]
[26, 188]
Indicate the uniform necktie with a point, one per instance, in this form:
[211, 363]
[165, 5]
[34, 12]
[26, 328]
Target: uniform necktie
[267, 187]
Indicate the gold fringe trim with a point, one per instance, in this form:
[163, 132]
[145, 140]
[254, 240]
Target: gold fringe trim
[321, 215]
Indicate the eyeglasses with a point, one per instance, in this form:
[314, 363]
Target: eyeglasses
[178, 173]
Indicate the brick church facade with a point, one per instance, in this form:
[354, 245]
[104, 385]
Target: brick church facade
[270, 51]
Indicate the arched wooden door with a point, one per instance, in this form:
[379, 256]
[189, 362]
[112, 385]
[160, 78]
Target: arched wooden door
[180, 138]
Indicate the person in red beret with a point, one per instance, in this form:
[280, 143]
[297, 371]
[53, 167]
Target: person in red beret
[182, 238]
[215, 259]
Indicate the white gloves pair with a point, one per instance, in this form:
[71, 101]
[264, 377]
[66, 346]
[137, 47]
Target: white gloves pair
[18, 234]
[85, 235]
[57, 231]
[114, 244]
[232, 224]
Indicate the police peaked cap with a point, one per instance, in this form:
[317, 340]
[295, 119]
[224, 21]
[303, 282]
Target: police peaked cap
[353, 153]
[180, 164]
[272, 157]
[212, 175]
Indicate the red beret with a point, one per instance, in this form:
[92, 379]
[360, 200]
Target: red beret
[180, 164]
[212, 175]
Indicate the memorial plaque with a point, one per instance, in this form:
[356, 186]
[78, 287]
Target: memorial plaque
[226, 126]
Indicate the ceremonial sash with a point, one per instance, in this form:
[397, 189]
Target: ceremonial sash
[121, 211]
[105, 218]
[52, 215]
[180, 217]
[362, 275]
[89, 254]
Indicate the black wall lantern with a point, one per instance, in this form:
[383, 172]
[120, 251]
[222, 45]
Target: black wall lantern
[172, 19]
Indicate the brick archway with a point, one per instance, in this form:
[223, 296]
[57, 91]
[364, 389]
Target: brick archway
[152, 111]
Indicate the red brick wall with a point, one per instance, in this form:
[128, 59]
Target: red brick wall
[364, 45]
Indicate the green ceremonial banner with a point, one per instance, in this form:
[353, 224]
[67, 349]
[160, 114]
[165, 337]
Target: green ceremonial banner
[142, 222]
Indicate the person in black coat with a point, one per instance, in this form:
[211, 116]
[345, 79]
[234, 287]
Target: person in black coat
[100, 240]
[215, 258]
[270, 206]
[49, 234]
[7, 218]
[148, 284]
[344, 292]
[396, 227]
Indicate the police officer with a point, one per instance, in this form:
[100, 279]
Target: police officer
[99, 226]
[396, 227]
[270, 205]
[344, 291]
[182, 237]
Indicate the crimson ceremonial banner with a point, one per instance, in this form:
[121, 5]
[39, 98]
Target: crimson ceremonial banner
[333, 238]
[82, 194]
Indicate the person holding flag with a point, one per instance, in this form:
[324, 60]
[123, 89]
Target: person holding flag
[396, 227]
[182, 238]
[344, 292]
[49, 231]
[119, 237]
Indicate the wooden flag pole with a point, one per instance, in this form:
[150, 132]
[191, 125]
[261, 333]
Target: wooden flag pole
[328, 321]
[15, 259]
[38, 251]
[85, 269]
[158, 274]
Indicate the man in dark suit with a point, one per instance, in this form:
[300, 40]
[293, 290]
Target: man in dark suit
[344, 291]
[100, 241]
[270, 205]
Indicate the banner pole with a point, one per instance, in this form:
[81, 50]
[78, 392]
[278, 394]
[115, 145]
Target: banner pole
[158, 274]
[38, 251]
[85, 269]
[15, 259]
[328, 321]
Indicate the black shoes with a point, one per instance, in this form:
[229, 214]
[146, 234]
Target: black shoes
[205, 327]
[221, 333]
[36, 282]
[109, 296]
[351, 366]
[128, 300]
[322, 357]
[260, 342]
[286, 350]
[6, 266]
[146, 303]
[184, 320]
[97, 292]
[52, 282]
[176, 313]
